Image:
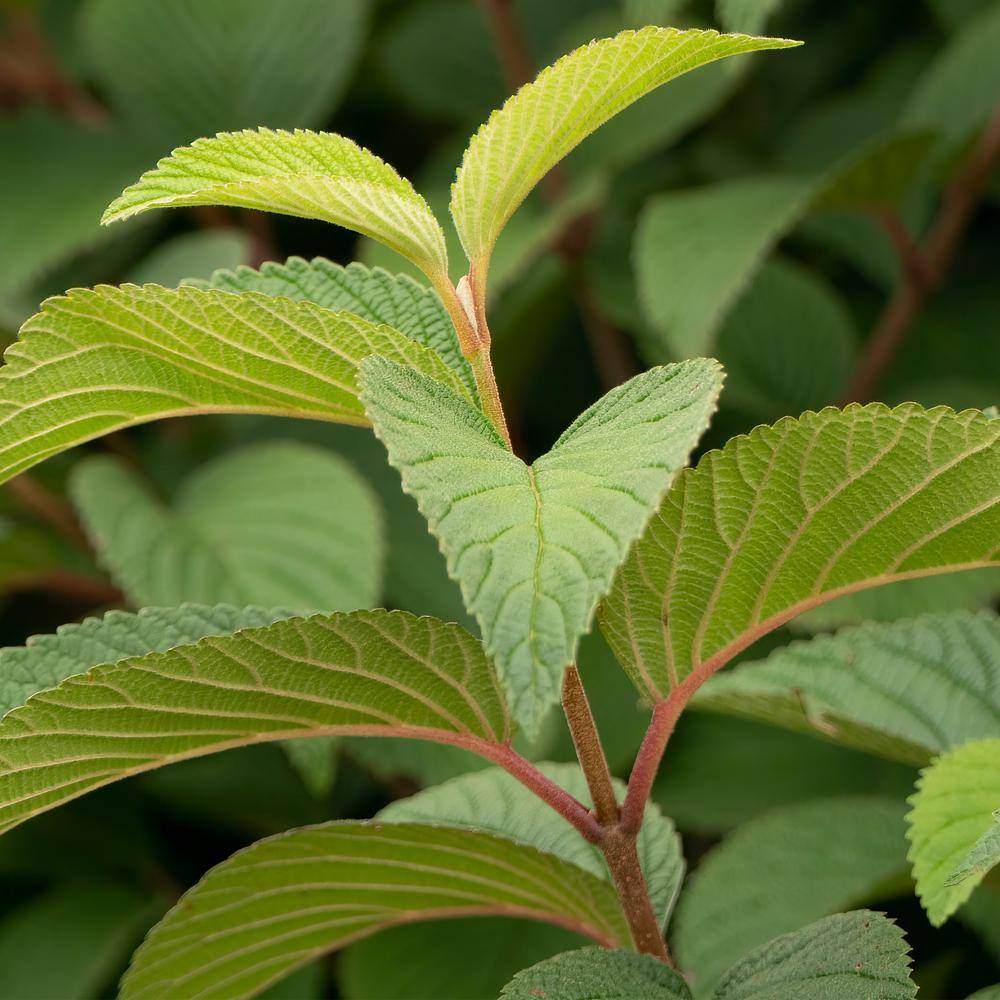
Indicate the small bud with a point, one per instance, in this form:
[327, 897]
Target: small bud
[464, 291]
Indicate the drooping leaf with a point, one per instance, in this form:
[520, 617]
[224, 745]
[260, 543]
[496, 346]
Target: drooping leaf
[906, 690]
[495, 802]
[314, 175]
[782, 871]
[96, 361]
[371, 293]
[362, 673]
[94, 927]
[284, 900]
[795, 514]
[212, 65]
[535, 547]
[277, 524]
[952, 823]
[598, 974]
[547, 118]
[850, 956]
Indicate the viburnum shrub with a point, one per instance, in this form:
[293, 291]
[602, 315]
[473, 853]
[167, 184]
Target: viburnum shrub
[685, 568]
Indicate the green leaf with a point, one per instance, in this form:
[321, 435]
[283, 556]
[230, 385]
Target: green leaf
[795, 514]
[423, 966]
[745, 15]
[780, 872]
[535, 547]
[361, 673]
[787, 345]
[905, 690]
[278, 524]
[598, 974]
[548, 117]
[193, 255]
[313, 175]
[223, 64]
[71, 941]
[495, 802]
[952, 827]
[284, 900]
[958, 91]
[96, 361]
[47, 660]
[850, 956]
[371, 293]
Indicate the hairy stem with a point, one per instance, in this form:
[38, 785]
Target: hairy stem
[925, 267]
[489, 394]
[589, 751]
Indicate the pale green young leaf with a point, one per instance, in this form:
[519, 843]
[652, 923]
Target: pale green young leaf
[359, 673]
[535, 547]
[279, 524]
[285, 900]
[210, 65]
[795, 514]
[313, 175]
[394, 300]
[851, 956]
[548, 117]
[905, 690]
[93, 926]
[47, 660]
[782, 871]
[95, 361]
[598, 974]
[495, 802]
[952, 824]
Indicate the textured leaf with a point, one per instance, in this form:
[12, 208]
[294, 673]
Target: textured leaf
[985, 855]
[695, 251]
[371, 293]
[277, 524]
[906, 690]
[95, 361]
[547, 118]
[362, 673]
[952, 819]
[314, 175]
[71, 941]
[850, 956]
[788, 345]
[780, 872]
[284, 900]
[209, 65]
[798, 513]
[495, 802]
[535, 548]
[47, 660]
[598, 974]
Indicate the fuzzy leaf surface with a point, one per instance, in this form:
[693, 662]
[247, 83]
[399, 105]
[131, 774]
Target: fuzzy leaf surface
[598, 974]
[372, 293]
[905, 690]
[312, 175]
[535, 547]
[95, 361]
[850, 956]
[783, 870]
[548, 117]
[496, 802]
[287, 899]
[278, 524]
[359, 673]
[795, 514]
[953, 827]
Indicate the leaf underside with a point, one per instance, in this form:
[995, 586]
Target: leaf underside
[358, 673]
[793, 515]
[535, 547]
[290, 898]
[95, 361]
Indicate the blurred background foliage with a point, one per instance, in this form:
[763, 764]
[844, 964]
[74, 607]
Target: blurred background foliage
[824, 221]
